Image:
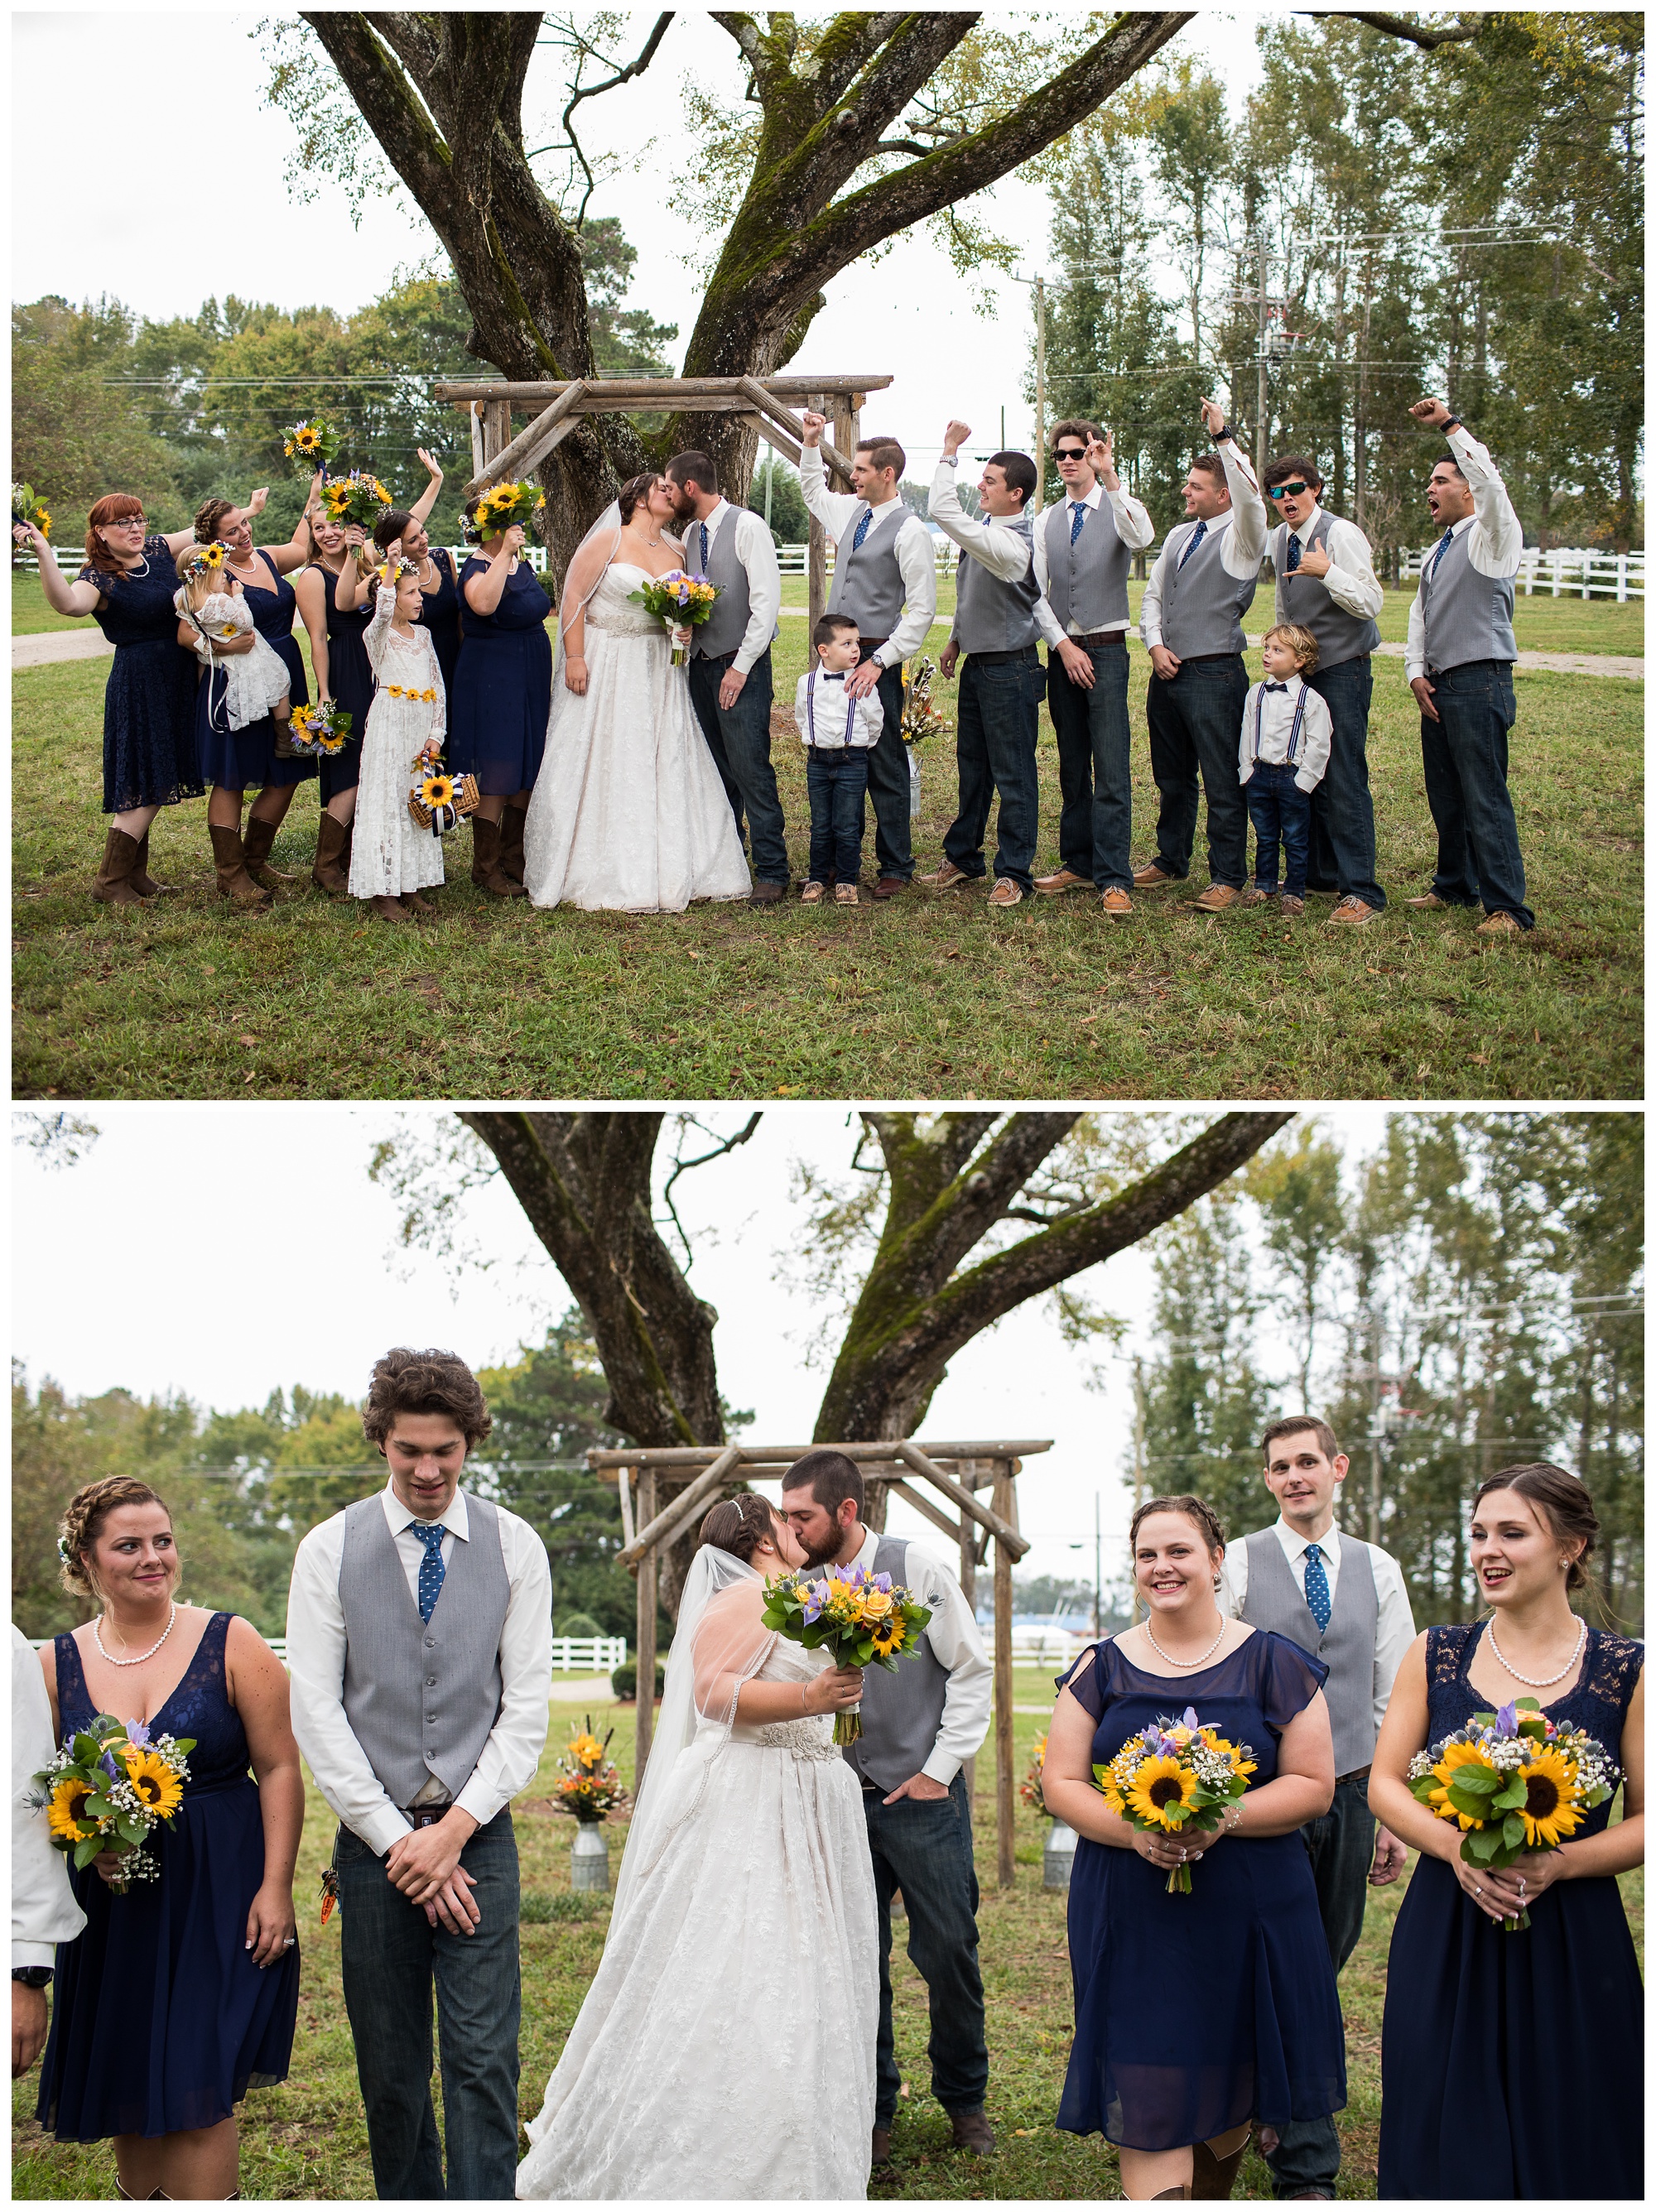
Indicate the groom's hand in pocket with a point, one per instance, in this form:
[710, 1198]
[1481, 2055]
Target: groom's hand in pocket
[921, 1786]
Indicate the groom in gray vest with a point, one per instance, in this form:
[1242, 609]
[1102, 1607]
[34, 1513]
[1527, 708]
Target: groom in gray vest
[419, 1641]
[919, 1727]
[1344, 1602]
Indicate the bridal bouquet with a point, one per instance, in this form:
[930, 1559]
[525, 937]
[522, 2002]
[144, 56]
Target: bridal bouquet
[319, 731]
[315, 442]
[1176, 1778]
[679, 599]
[359, 498]
[26, 507]
[109, 1788]
[1515, 1782]
[922, 716]
[589, 1785]
[861, 1619]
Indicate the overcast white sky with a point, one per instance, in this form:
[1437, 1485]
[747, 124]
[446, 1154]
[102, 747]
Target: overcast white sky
[259, 1255]
[181, 82]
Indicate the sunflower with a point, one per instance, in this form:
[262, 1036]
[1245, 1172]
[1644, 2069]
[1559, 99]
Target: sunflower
[439, 790]
[158, 1788]
[1159, 1783]
[1455, 1756]
[64, 1809]
[1552, 1811]
[887, 1636]
[585, 1749]
[305, 438]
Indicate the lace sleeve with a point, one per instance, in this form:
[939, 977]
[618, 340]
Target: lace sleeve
[1445, 1653]
[373, 637]
[732, 1644]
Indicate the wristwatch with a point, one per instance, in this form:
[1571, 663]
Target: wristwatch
[34, 1977]
[1223, 432]
[1451, 422]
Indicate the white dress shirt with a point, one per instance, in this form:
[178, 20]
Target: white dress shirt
[1242, 532]
[952, 1633]
[1394, 1623]
[839, 513]
[1495, 547]
[991, 543]
[1276, 727]
[43, 1912]
[316, 1661]
[834, 713]
[1350, 582]
[756, 550]
[1133, 526]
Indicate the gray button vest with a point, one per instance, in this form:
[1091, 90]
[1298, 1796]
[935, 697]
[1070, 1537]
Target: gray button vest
[1468, 615]
[901, 1712]
[726, 627]
[868, 584]
[1086, 582]
[1304, 599]
[1202, 606]
[420, 1699]
[1346, 1646]
[991, 616]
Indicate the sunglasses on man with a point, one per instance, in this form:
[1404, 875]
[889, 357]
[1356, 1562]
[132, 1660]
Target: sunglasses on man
[1286, 491]
[1070, 452]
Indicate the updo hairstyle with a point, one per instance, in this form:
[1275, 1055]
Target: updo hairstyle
[389, 527]
[1193, 1509]
[739, 1525]
[83, 1518]
[635, 492]
[209, 515]
[1561, 1501]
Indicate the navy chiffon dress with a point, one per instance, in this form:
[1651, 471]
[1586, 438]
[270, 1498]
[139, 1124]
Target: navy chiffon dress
[502, 688]
[160, 2019]
[350, 685]
[150, 701]
[1194, 2014]
[440, 613]
[1512, 2066]
[247, 760]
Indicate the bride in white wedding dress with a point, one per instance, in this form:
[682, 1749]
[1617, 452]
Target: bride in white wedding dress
[628, 810]
[725, 2046]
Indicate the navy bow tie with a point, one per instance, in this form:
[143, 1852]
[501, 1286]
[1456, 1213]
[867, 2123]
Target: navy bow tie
[1277, 687]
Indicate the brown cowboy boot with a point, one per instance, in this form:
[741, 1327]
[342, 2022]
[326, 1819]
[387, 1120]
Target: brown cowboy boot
[330, 870]
[256, 842]
[1213, 2178]
[234, 881]
[511, 845]
[485, 860]
[113, 885]
[143, 882]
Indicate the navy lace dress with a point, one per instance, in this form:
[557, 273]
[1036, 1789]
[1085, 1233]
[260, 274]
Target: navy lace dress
[247, 760]
[150, 701]
[440, 613]
[502, 689]
[1512, 2066]
[350, 685]
[160, 2020]
[1196, 2013]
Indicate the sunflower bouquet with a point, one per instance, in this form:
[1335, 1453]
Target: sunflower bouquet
[109, 1788]
[1176, 1778]
[861, 1619]
[358, 498]
[922, 716]
[503, 504]
[1516, 1782]
[29, 508]
[589, 1785]
[1031, 1789]
[320, 732]
[312, 443]
[438, 800]
[679, 599]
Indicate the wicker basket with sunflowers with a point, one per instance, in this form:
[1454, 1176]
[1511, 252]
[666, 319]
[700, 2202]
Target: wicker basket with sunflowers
[438, 800]
[108, 1790]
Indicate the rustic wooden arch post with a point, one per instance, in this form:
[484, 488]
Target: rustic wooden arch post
[664, 1489]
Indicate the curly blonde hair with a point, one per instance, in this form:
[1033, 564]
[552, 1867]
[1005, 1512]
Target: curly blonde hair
[84, 1516]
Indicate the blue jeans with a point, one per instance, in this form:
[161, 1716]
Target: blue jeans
[1464, 756]
[1095, 769]
[838, 782]
[923, 1848]
[1342, 809]
[999, 717]
[1341, 1844]
[739, 739]
[1195, 725]
[888, 786]
[391, 1955]
[1280, 812]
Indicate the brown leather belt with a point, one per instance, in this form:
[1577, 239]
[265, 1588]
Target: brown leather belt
[867, 647]
[1092, 638]
[424, 1816]
[1357, 1774]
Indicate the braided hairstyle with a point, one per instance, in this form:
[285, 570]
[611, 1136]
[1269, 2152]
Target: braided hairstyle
[209, 515]
[739, 1524]
[84, 1516]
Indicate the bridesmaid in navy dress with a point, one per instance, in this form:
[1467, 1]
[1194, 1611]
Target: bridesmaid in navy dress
[502, 696]
[180, 1995]
[1197, 2012]
[1513, 2065]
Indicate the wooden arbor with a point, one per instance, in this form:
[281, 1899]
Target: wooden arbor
[556, 408]
[664, 1490]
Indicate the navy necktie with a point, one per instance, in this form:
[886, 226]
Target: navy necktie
[1443, 547]
[1197, 537]
[704, 548]
[431, 1534]
[1077, 516]
[1294, 554]
[1317, 1600]
[862, 529]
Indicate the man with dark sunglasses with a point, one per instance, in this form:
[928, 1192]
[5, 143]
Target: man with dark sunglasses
[1325, 582]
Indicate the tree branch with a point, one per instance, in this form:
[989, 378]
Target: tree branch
[1394, 27]
[683, 1167]
[591, 92]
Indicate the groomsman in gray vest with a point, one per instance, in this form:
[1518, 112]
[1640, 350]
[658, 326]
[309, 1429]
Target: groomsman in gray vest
[1460, 661]
[730, 682]
[1083, 548]
[885, 580]
[1345, 1601]
[1325, 582]
[919, 1727]
[419, 1641]
[1190, 618]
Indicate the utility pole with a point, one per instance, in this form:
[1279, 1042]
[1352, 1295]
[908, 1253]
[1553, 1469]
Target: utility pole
[770, 478]
[1040, 392]
[1263, 401]
[1098, 1568]
[1374, 1436]
[1138, 1432]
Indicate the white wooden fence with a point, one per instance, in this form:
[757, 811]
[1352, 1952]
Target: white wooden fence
[1575, 571]
[571, 1655]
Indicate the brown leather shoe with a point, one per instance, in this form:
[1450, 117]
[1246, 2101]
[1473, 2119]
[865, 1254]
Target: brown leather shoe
[1292, 908]
[972, 2131]
[417, 903]
[1147, 878]
[256, 842]
[1115, 902]
[1218, 898]
[811, 893]
[1254, 896]
[945, 878]
[1065, 880]
[390, 909]
[1353, 914]
[847, 894]
[330, 870]
[766, 893]
[882, 2150]
[1500, 924]
[113, 885]
[234, 881]
[889, 886]
[1006, 892]
[1429, 899]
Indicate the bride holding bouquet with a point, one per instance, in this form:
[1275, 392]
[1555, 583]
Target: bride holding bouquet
[725, 2046]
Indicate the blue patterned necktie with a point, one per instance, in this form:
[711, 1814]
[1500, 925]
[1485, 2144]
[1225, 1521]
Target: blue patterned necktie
[862, 529]
[1443, 547]
[1317, 1600]
[1197, 537]
[1077, 516]
[1294, 554]
[704, 548]
[431, 1534]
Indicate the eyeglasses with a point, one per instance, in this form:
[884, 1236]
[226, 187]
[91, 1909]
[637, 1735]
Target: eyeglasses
[126, 522]
[1070, 452]
[1286, 491]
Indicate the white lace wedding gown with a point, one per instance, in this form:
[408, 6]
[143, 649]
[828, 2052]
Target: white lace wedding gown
[725, 2046]
[628, 810]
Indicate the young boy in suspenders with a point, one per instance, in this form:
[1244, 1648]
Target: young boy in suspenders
[839, 731]
[1286, 734]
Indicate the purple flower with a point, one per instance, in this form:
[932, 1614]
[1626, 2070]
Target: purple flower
[882, 1581]
[1189, 1718]
[1506, 1719]
[137, 1732]
[108, 1762]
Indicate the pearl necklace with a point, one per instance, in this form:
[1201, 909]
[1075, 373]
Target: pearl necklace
[1537, 1681]
[143, 1655]
[1206, 1655]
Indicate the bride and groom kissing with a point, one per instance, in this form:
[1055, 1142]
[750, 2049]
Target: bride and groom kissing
[742, 2008]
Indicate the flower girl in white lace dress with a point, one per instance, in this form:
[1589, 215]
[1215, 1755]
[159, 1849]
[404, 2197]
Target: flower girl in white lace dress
[255, 683]
[392, 859]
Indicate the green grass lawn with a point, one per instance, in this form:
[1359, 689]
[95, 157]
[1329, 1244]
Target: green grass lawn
[306, 2138]
[925, 997]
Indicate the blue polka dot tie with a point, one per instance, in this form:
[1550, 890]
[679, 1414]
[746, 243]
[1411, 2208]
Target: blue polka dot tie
[704, 548]
[1444, 543]
[862, 529]
[1317, 1600]
[431, 1536]
[1197, 537]
[1077, 516]
[1294, 554]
